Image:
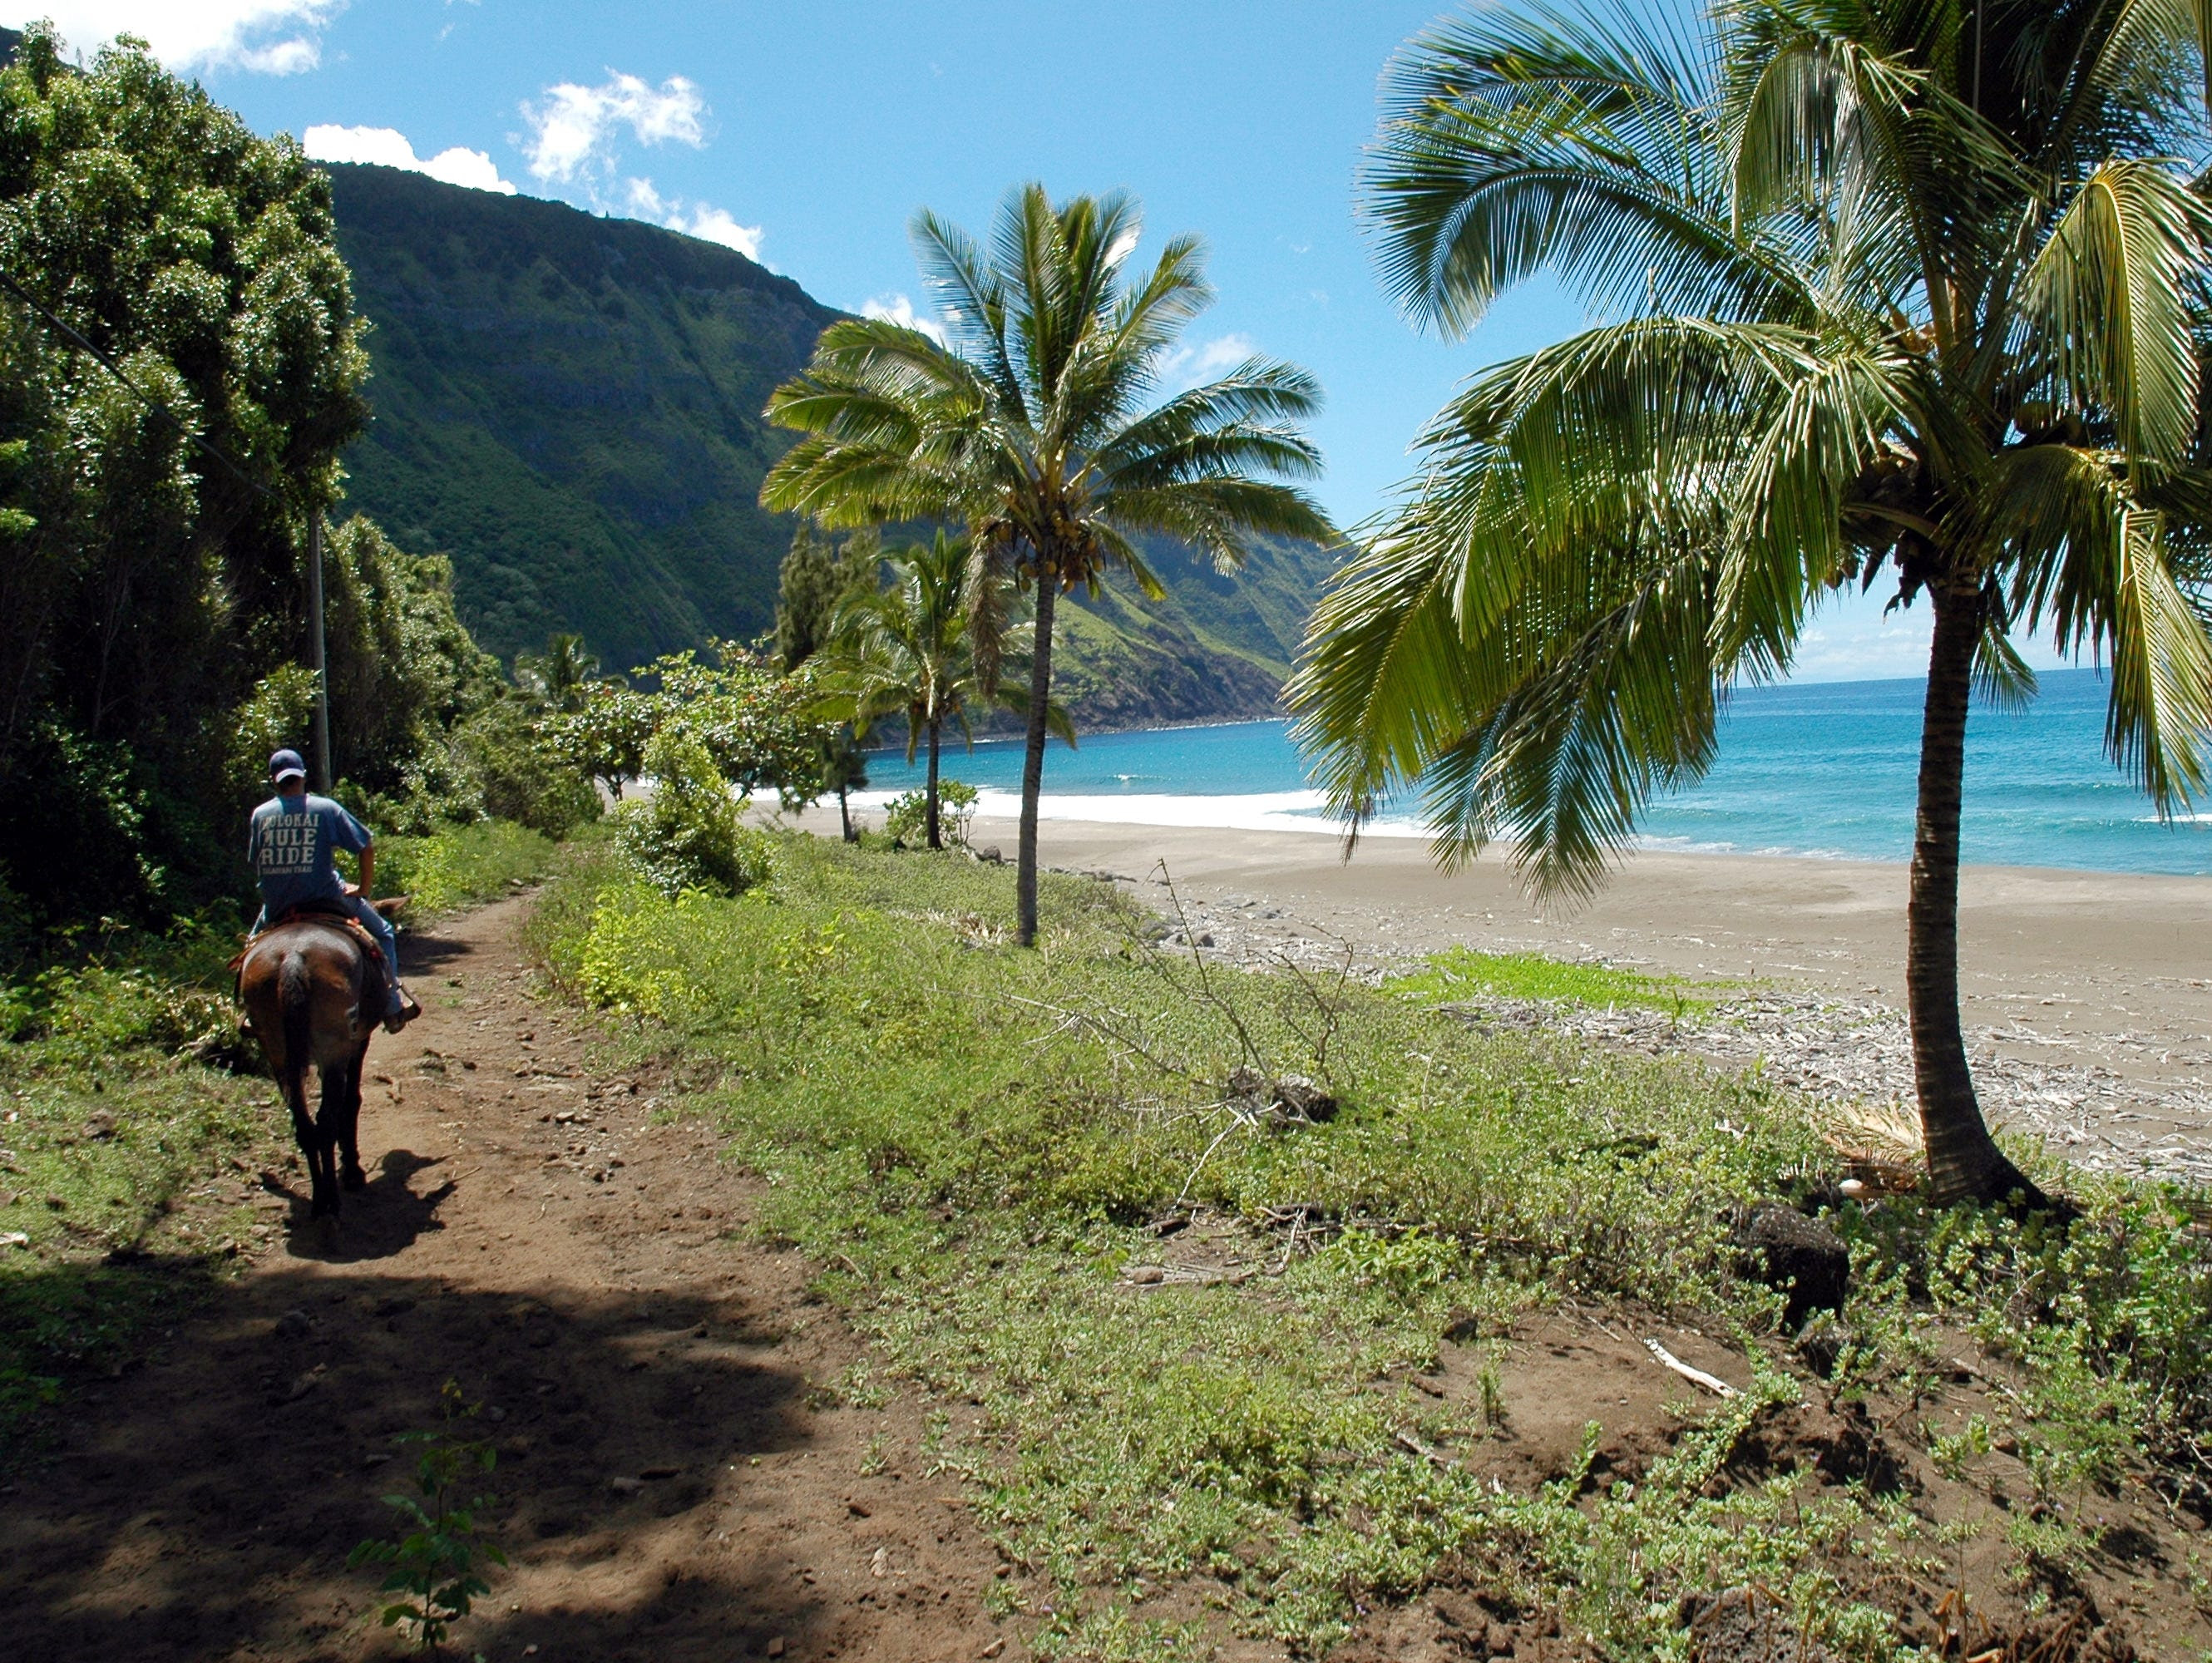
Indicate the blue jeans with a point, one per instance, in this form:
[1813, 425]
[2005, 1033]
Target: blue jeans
[377, 926]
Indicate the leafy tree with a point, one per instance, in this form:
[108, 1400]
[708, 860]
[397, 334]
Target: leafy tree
[1030, 426]
[147, 587]
[817, 578]
[1900, 292]
[403, 668]
[906, 652]
[844, 770]
[605, 738]
[519, 773]
[754, 722]
[687, 834]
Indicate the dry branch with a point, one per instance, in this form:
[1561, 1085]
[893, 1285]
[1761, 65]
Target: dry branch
[1713, 1383]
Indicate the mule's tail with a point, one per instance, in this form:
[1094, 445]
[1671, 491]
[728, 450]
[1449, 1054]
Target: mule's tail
[296, 1001]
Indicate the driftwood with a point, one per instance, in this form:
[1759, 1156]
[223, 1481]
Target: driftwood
[1407, 1440]
[1713, 1383]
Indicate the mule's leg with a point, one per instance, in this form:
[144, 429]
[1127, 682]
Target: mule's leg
[327, 1123]
[305, 1133]
[349, 1124]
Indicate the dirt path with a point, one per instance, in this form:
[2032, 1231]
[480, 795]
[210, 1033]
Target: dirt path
[674, 1480]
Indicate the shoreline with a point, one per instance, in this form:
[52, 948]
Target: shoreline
[1075, 809]
[2059, 968]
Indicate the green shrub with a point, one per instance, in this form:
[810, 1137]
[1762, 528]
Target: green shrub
[906, 816]
[523, 777]
[687, 834]
[457, 865]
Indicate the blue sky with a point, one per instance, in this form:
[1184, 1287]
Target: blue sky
[806, 135]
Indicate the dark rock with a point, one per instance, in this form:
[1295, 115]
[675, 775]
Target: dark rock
[989, 855]
[1799, 1257]
[293, 1325]
[1822, 1344]
[1305, 1099]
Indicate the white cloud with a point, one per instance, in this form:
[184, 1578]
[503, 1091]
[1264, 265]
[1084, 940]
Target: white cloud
[694, 219]
[1224, 352]
[716, 225]
[897, 309]
[269, 37]
[389, 147]
[1853, 637]
[1187, 367]
[642, 200]
[574, 128]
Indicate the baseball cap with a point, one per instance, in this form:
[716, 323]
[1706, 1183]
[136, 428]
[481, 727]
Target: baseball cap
[285, 762]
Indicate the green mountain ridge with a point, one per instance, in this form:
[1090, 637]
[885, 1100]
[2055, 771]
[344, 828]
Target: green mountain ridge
[570, 407]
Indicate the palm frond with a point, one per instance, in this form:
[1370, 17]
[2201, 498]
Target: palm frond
[2109, 306]
[1534, 139]
[2093, 567]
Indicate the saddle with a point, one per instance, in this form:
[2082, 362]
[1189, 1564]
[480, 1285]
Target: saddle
[332, 912]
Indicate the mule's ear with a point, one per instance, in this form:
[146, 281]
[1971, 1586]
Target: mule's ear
[392, 905]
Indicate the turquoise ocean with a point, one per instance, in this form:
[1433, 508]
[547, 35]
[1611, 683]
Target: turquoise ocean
[1819, 770]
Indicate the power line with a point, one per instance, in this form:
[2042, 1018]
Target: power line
[200, 442]
[208, 448]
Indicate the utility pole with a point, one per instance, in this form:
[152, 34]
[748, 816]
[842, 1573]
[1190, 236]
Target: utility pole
[322, 668]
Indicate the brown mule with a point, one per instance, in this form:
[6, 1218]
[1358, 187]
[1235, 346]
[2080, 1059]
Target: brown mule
[315, 995]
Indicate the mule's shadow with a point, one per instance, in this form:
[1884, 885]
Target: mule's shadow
[419, 955]
[377, 1222]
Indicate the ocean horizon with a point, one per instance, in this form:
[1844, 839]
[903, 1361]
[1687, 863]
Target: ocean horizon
[1821, 770]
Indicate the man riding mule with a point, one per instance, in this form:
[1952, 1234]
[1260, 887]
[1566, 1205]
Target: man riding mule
[320, 970]
[289, 843]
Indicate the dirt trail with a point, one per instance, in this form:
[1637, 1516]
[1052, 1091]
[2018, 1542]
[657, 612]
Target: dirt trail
[674, 1481]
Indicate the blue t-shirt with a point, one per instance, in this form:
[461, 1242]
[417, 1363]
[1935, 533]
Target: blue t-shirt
[288, 845]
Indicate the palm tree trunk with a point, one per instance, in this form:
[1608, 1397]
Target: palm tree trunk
[845, 815]
[936, 725]
[1963, 1162]
[1025, 872]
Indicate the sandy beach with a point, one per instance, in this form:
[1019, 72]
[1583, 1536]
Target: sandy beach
[2087, 995]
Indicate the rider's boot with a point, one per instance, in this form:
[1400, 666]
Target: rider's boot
[399, 1008]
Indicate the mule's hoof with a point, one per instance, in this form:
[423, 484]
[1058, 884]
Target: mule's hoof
[355, 1179]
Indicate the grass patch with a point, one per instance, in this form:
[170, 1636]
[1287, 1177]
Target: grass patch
[976, 1140]
[1462, 973]
[458, 866]
[110, 1112]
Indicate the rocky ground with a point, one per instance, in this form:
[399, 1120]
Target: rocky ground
[2111, 1098]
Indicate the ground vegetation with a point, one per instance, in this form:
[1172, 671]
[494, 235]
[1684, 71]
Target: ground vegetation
[1213, 1365]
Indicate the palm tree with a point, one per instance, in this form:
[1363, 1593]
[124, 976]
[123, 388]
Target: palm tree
[559, 679]
[1031, 424]
[1897, 290]
[905, 650]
